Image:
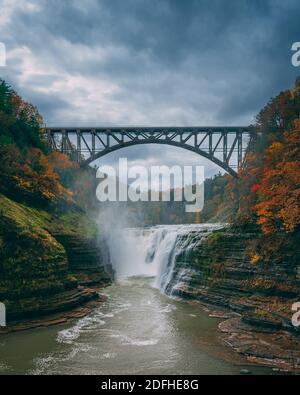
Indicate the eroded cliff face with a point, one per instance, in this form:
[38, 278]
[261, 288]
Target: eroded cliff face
[218, 271]
[50, 261]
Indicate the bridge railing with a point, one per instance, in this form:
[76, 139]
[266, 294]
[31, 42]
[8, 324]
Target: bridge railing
[225, 146]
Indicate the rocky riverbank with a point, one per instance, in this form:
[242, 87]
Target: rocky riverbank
[50, 263]
[217, 271]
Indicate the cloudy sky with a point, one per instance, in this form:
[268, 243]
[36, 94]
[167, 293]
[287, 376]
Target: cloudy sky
[149, 62]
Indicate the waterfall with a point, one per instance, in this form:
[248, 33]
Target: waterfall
[153, 251]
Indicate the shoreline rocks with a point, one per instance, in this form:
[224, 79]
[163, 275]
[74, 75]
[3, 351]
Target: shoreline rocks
[217, 272]
[58, 318]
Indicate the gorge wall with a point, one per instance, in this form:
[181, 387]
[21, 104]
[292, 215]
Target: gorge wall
[50, 260]
[217, 271]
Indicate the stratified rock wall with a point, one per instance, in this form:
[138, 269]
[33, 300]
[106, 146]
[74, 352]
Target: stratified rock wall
[218, 270]
[48, 261]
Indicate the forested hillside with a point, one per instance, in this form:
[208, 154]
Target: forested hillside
[49, 246]
[266, 196]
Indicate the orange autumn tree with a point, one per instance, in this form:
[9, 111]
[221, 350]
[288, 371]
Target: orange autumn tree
[33, 178]
[28, 173]
[48, 182]
[64, 167]
[278, 208]
[274, 125]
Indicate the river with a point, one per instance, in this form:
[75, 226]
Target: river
[139, 330]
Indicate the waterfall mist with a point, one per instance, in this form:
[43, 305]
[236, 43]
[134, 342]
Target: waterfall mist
[147, 251]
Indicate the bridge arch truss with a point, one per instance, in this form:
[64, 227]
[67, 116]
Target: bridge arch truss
[225, 146]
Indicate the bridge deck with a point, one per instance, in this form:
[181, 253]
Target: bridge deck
[217, 143]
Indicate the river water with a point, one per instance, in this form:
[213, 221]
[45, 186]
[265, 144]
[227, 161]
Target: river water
[139, 330]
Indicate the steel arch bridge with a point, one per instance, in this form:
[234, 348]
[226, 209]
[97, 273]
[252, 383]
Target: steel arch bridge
[225, 146]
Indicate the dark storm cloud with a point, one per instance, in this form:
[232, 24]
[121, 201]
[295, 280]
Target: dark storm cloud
[150, 62]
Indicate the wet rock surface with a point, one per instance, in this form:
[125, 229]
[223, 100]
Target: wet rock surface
[217, 271]
[49, 262]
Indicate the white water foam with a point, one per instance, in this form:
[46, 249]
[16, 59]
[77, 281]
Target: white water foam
[153, 251]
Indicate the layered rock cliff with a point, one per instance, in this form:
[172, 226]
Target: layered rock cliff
[50, 261]
[217, 271]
